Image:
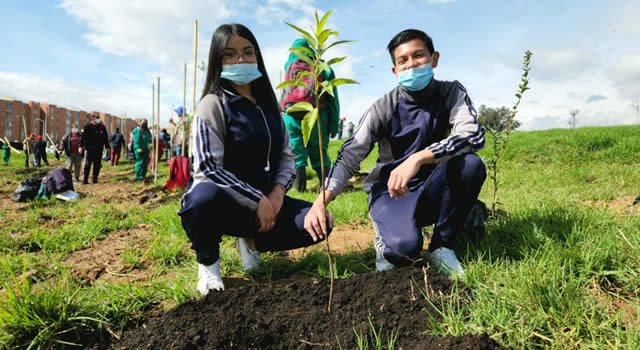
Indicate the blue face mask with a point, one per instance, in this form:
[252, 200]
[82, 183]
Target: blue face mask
[240, 73]
[416, 78]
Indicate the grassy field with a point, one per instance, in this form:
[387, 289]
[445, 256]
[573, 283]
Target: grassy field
[559, 267]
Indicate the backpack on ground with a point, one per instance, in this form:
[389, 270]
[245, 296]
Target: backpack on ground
[178, 173]
[27, 190]
[294, 94]
[57, 181]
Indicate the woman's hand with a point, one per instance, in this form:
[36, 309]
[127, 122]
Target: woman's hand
[266, 215]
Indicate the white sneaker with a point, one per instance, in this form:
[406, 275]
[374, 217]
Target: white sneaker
[445, 260]
[250, 258]
[209, 278]
[382, 264]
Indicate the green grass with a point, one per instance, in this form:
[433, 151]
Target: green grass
[553, 272]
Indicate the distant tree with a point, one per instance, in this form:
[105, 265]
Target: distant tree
[497, 118]
[572, 120]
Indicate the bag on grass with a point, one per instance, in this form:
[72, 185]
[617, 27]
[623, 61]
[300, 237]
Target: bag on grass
[178, 173]
[27, 190]
[58, 180]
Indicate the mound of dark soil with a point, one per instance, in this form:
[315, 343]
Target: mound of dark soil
[295, 316]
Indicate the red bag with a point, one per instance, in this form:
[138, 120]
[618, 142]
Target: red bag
[178, 173]
[294, 94]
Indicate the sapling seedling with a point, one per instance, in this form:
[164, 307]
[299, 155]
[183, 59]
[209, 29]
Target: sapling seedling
[500, 139]
[318, 40]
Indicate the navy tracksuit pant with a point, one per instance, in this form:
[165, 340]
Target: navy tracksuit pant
[92, 157]
[444, 199]
[208, 212]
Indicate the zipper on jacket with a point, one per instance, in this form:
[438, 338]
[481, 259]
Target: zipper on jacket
[268, 167]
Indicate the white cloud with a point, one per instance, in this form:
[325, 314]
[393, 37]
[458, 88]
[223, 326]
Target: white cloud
[623, 17]
[285, 10]
[625, 74]
[159, 32]
[561, 64]
[274, 60]
[136, 100]
[355, 105]
[596, 98]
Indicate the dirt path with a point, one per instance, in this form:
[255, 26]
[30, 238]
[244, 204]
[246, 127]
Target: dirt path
[622, 206]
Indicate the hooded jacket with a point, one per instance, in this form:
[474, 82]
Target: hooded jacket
[240, 147]
[440, 118]
[330, 110]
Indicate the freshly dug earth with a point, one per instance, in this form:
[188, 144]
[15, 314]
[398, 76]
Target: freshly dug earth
[295, 316]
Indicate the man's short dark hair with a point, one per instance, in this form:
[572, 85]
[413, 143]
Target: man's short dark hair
[406, 36]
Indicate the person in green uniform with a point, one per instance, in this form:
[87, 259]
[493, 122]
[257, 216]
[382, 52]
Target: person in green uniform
[329, 120]
[6, 152]
[141, 141]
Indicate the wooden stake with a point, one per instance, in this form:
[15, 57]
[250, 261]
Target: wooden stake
[155, 152]
[26, 133]
[195, 69]
[181, 121]
[9, 144]
[50, 140]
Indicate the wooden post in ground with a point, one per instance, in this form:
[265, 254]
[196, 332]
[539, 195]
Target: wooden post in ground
[9, 144]
[195, 70]
[181, 122]
[26, 135]
[155, 151]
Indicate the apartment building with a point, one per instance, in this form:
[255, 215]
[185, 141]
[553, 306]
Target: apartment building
[20, 119]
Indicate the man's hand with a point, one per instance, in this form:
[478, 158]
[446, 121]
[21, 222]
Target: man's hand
[266, 215]
[139, 150]
[80, 150]
[314, 221]
[276, 197]
[403, 173]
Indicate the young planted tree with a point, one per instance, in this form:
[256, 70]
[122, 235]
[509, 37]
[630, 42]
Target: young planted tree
[500, 138]
[318, 40]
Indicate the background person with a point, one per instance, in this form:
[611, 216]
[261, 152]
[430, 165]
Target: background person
[116, 141]
[93, 141]
[141, 141]
[243, 163]
[179, 133]
[41, 152]
[166, 140]
[71, 147]
[329, 115]
[28, 145]
[6, 153]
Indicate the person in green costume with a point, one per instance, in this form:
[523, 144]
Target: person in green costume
[141, 141]
[6, 153]
[329, 120]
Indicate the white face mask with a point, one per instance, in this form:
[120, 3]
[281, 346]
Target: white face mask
[98, 121]
[74, 130]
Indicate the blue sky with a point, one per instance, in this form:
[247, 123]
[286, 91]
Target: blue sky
[105, 55]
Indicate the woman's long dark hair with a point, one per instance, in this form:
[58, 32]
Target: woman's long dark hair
[260, 88]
